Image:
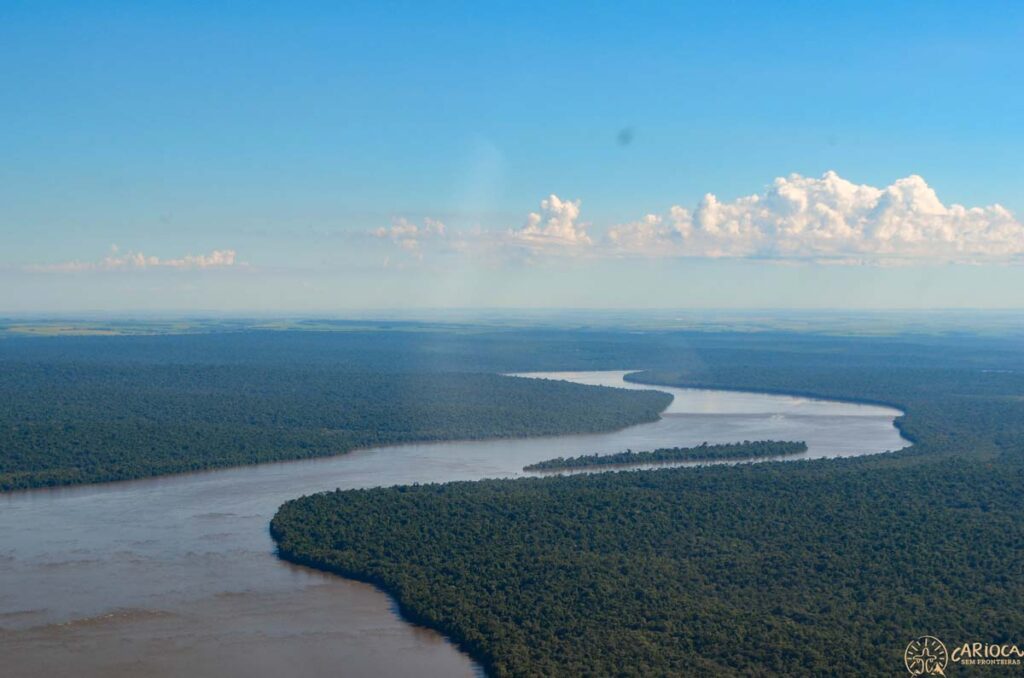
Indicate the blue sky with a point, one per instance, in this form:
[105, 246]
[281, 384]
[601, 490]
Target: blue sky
[309, 140]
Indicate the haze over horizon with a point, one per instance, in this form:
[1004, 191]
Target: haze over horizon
[337, 159]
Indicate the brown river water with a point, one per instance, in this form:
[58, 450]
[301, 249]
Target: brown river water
[176, 576]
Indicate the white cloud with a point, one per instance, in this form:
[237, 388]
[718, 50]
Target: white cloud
[796, 218]
[556, 224]
[117, 261]
[831, 218]
[408, 235]
[215, 259]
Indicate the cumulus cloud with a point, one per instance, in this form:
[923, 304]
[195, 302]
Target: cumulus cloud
[555, 228]
[556, 224]
[118, 261]
[801, 217]
[795, 218]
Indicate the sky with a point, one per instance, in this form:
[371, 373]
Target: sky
[324, 157]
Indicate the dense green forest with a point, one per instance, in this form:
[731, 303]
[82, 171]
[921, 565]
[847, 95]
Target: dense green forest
[820, 568]
[78, 422]
[92, 408]
[757, 449]
[824, 567]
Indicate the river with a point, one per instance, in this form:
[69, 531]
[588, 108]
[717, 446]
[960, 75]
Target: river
[177, 575]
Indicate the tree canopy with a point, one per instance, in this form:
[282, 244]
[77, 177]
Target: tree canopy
[758, 449]
[819, 568]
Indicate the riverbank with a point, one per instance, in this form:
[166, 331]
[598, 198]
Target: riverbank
[661, 570]
[167, 575]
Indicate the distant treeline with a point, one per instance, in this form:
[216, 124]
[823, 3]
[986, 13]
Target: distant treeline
[748, 449]
[415, 347]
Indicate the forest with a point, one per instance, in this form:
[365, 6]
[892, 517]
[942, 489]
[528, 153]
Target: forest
[77, 422]
[77, 409]
[757, 449]
[820, 568]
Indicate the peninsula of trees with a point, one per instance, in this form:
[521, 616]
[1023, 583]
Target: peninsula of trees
[757, 449]
[66, 422]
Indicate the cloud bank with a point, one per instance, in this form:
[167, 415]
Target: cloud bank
[829, 218]
[137, 261]
[796, 218]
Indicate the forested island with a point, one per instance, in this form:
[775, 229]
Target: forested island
[824, 567]
[757, 449]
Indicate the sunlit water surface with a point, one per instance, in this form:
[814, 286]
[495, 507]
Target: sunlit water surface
[177, 575]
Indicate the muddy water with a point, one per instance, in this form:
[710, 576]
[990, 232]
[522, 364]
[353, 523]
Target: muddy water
[177, 576]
